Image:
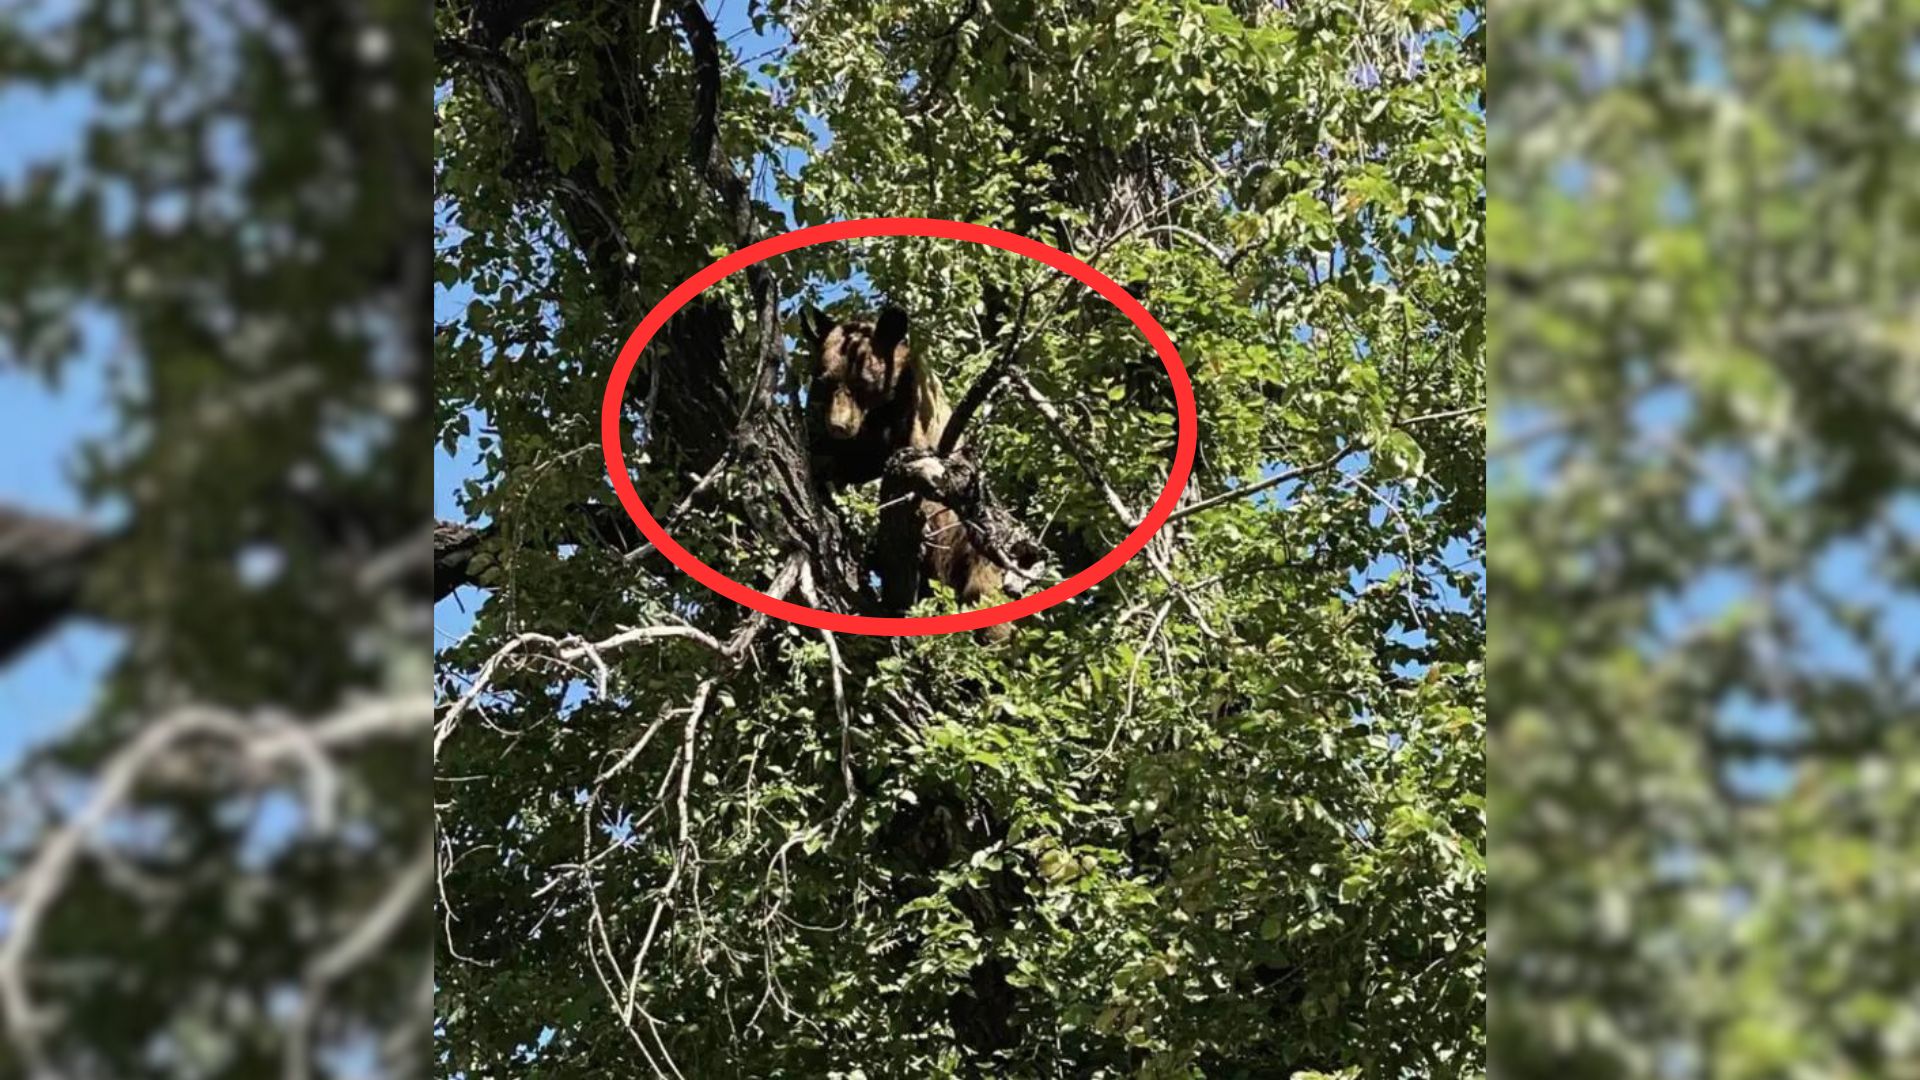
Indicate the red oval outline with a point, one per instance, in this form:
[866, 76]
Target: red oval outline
[1185, 410]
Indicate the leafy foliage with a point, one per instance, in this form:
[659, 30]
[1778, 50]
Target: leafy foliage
[1220, 816]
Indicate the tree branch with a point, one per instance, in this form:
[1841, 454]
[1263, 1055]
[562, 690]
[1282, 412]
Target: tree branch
[458, 548]
[1247, 491]
[43, 568]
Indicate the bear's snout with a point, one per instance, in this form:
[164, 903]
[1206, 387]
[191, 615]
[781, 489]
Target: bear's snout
[843, 418]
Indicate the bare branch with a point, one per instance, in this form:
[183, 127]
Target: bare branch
[367, 937]
[563, 651]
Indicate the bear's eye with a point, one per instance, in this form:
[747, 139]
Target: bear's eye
[861, 369]
[834, 363]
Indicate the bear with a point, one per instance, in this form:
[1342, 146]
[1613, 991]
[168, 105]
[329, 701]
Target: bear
[868, 398]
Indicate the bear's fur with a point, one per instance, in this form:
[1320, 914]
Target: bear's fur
[868, 398]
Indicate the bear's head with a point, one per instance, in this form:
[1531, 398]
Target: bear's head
[868, 397]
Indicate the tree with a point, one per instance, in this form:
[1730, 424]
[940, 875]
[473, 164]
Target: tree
[221, 870]
[1221, 816]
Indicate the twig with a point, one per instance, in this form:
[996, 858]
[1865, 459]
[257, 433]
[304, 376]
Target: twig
[1406, 537]
[1225, 258]
[686, 501]
[839, 699]
[562, 652]
[359, 946]
[1156, 558]
[1447, 414]
[1074, 447]
[1249, 490]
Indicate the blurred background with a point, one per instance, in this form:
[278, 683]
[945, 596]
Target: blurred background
[1705, 499]
[214, 482]
[214, 225]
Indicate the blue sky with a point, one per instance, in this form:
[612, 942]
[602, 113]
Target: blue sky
[52, 684]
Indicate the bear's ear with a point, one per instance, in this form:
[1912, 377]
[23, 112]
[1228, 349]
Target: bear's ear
[892, 327]
[815, 324]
